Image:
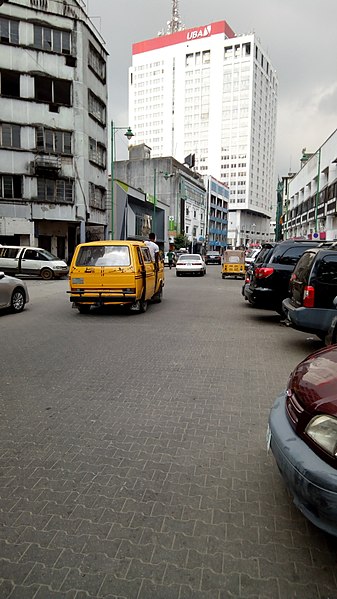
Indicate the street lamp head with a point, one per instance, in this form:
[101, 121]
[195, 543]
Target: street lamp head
[129, 133]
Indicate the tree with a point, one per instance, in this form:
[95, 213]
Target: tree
[180, 241]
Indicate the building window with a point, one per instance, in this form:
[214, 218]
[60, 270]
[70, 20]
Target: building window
[189, 60]
[53, 141]
[10, 84]
[97, 152]
[97, 197]
[54, 91]
[9, 31]
[10, 135]
[52, 40]
[97, 63]
[10, 186]
[206, 56]
[59, 191]
[96, 108]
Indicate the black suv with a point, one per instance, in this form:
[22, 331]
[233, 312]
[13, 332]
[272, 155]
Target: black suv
[269, 280]
[312, 305]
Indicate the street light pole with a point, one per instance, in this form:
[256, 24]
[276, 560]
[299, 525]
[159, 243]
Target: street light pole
[129, 135]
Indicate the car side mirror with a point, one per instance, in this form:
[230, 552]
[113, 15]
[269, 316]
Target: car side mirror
[2, 274]
[335, 302]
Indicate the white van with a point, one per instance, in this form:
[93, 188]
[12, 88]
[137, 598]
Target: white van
[25, 260]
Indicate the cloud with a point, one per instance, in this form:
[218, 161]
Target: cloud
[299, 37]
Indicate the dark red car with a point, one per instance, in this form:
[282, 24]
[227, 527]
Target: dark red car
[303, 437]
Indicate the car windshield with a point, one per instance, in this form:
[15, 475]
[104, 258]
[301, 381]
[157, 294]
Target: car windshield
[212, 254]
[104, 255]
[263, 255]
[190, 258]
[48, 255]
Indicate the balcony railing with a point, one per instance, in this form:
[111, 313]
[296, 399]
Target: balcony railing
[47, 163]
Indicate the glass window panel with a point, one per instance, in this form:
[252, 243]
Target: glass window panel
[66, 42]
[37, 36]
[49, 140]
[6, 134]
[58, 138]
[67, 142]
[40, 189]
[16, 136]
[50, 189]
[56, 40]
[14, 32]
[4, 30]
[47, 45]
[8, 186]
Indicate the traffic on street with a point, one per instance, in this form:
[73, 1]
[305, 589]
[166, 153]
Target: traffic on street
[136, 458]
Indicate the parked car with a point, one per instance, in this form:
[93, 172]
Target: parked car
[303, 437]
[251, 255]
[13, 293]
[272, 270]
[26, 260]
[212, 258]
[114, 273]
[191, 264]
[312, 302]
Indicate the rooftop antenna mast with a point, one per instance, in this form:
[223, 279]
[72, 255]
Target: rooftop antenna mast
[175, 23]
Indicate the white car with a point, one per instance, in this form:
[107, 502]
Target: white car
[13, 293]
[250, 256]
[190, 264]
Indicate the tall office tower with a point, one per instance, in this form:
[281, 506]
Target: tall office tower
[208, 92]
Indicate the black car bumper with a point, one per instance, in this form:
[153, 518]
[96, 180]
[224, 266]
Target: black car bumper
[309, 320]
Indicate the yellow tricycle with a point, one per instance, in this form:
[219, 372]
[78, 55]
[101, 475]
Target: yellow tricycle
[233, 264]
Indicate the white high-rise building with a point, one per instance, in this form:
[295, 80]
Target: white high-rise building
[209, 92]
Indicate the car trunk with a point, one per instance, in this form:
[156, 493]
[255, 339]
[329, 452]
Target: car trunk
[300, 278]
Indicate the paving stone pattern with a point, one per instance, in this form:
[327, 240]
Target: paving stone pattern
[133, 460]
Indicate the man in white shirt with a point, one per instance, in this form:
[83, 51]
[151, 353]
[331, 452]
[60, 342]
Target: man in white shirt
[153, 247]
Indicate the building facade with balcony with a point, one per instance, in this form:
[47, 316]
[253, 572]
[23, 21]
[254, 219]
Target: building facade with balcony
[175, 199]
[53, 130]
[310, 209]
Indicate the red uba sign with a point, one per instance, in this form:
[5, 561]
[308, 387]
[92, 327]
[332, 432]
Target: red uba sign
[186, 35]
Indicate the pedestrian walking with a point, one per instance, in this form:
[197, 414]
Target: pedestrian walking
[170, 257]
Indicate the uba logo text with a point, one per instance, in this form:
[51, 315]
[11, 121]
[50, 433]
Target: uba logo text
[196, 33]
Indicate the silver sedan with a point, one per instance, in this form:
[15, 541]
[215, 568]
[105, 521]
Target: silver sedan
[13, 293]
[190, 264]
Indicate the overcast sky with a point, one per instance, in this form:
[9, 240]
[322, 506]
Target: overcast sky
[299, 36]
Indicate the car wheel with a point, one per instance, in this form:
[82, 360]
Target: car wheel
[178, 274]
[158, 296]
[280, 311]
[223, 276]
[46, 274]
[18, 300]
[83, 308]
[140, 306]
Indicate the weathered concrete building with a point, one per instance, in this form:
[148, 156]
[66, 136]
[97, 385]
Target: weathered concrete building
[310, 209]
[172, 199]
[53, 133]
